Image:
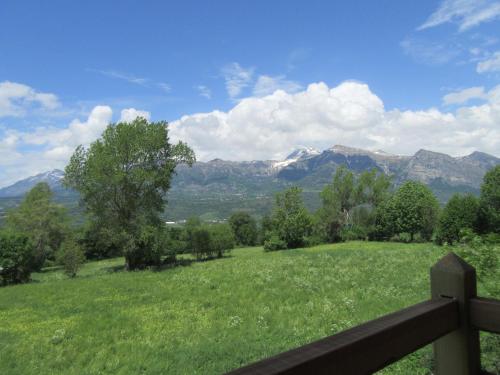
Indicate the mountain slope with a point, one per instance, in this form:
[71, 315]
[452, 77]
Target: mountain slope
[216, 188]
[52, 178]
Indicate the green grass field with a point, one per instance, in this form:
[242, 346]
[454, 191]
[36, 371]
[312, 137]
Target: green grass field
[208, 317]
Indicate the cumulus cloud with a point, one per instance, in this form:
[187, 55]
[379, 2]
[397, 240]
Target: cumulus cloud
[463, 96]
[49, 147]
[489, 65]
[350, 113]
[17, 98]
[130, 114]
[237, 78]
[266, 85]
[466, 13]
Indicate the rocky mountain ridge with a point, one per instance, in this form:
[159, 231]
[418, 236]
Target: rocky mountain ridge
[217, 182]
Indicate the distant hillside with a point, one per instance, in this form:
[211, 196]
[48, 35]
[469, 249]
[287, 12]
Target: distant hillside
[53, 178]
[216, 188]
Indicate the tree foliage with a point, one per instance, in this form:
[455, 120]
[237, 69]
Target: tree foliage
[350, 203]
[71, 256]
[244, 228]
[459, 213]
[489, 212]
[291, 221]
[122, 179]
[412, 209]
[44, 222]
[17, 259]
[212, 240]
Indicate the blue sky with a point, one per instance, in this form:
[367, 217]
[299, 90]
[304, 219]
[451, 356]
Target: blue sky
[249, 80]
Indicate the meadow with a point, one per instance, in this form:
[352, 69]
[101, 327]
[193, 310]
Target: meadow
[212, 316]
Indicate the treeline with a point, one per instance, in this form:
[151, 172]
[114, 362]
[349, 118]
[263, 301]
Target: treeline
[366, 207]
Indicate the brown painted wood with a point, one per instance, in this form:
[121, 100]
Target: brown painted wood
[368, 347]
[485, 314]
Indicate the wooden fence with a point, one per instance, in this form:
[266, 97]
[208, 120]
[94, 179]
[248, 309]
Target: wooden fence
[451, 319]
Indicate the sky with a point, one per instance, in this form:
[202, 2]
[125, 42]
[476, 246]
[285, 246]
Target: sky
[249, 80]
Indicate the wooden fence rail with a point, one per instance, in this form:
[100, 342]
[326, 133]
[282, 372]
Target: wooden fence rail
[451, 319]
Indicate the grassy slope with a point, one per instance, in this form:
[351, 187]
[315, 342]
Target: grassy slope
[208, 317]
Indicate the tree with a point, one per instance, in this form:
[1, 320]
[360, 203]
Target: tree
[122, 179]
[373, 188]
[16, 258]
[414, 209]
[71, 257]
[459, 213]
[244, 228]
[489, 201]
[265, 228]
[338, 199]
[292, 222]
[192, 224]
[200, 242]
[350, 203]
[222, 239]
[45, 223]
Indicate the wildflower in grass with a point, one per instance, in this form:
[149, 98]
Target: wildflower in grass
[234, 321]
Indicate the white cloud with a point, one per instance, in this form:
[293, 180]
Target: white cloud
[50, 147]
[463, 96]
[430, 52]
[204, 91]
[350, 113]
[130, 114]
[237, 78]
[16, 99]
[267, 85]
[489, 65]
[466, 13]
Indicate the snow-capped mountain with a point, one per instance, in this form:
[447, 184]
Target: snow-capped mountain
[52, 178]
[306, 167]
[301, 153]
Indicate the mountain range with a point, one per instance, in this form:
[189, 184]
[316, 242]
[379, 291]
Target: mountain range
[215, 188]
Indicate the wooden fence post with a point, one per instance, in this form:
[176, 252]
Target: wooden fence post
[457, 353]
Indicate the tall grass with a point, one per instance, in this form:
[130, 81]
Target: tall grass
[207, 317]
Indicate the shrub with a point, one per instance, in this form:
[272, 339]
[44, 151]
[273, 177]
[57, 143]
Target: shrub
[221, 239]
[353, 233]
[200, 242]
[17, 259]
[146, 248]
[483, 256]
[71, 257]
[313, 240]
[212, 240]
[274, 242]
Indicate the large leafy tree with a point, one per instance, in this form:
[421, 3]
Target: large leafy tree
[489, 213]
[414, 209]
[244, 228]
[349, 200]
[44, 222]
[292, 222]
[122, 179]
[459, 213]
